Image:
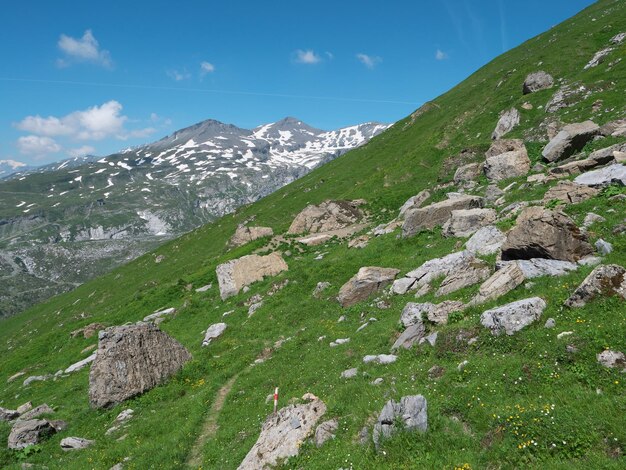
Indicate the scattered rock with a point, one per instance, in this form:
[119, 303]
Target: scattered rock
[462, 365]
[550, 323]
[380, 359]
[537, 81]
[486, 241]
[439, 313]
[416, 220]
[565, 96]
[618, 39]
[605, 280]
[465, 222]
[213, 332]
[612, 359]
[506, 159]
[569, 193]
[75, 443]
[604, 176]
[412, 313]
[512, 317]
[8, 415]
[591, 219]
[325, 432]
[500, 283]
[430, 339]
[36, 412]
[366, 282]
[359, 242]
[327, 216]
[467, 173]
[542, 233]
[599, 57]
[538, 267]
[204, 288]
[28, 433]
[571, 139]
[245, 235]
[411, 410]
[16, 376]
[160, 314]
[409, 337]
[603, 247]
[130, 360]
[88, 331]
[238, 273]
[467, 274]
[414, 202]
[80, 364]
[507, 122]
[350, 373]
[339, 342]
[282, 435]
[319, 288]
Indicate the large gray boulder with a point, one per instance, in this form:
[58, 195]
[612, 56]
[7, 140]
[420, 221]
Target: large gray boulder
[609, 280]
[245, 235]
[486, 241]
[513, 317]
[366, 282]
[241, 272]
[506, 159]
[537, 81]
[509, 119]
[282, 435]
[571, 139]
[604, 176]
[411, 411]
[569, 193]
[465, 222]
[542, 233]
[130, 360]
[29, 433]
[327, 216]
[428, 217]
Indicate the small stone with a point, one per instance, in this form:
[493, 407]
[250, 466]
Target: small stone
[75, 443]
[550, 323]
[436, 372]
[377, 381]
[339, 342]
[380, 359]
[612, 359]
[603, 247]
[325, 432]
[213, 332]
[350, 373]
[564, 334]
[461, 367]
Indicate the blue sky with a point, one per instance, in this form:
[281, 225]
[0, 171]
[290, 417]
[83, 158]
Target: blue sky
[95, 77]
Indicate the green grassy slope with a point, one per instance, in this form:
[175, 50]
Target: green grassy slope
[514, 389]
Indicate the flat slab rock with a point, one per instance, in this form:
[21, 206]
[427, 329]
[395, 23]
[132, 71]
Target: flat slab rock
[380, 359]
[241, 272]
[571, 139]
[604, 176]
[538, 267]
[130, 360]
[75, 443]
[366, 282]
[486, 241]
[282, 435]
[499, 283]
[569, 193]
[605, 280]
[213, 332]
[411, 410]
[513, 317]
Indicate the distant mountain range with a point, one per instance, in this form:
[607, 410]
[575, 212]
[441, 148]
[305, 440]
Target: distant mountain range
[66, 222]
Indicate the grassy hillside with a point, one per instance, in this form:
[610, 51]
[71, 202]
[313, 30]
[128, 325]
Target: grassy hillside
[514, 390]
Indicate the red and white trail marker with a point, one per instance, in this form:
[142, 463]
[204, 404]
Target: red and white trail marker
[275, 399]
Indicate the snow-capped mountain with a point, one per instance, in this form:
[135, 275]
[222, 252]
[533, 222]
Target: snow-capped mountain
[143, 195]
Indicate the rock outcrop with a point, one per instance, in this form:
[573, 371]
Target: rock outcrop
[513, 317]
[327, 216]
[414, 202]
[606, 280]
[542, 233]
[29, 433]
[506, 159]
[282, 435]
[463, 223]
[509, 119]
[473, 271]
[486, 241]
[466, 173]
[569, 193]
[245, 235]
[500, 283]
[537, 81]
[130, 360]
[411, 411]
[241, 272]
[428, 217]
[367, 281]
[571, 139]
[604, 176]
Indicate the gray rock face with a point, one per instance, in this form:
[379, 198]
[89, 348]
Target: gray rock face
[604, 176]
[598, 57]
[509, 119]
[569, 193]
[327, 216]
[606, 280]
[467, 173]
[500, 283]
[409, 337]
[414, 202]
[513, 317]
[366, 282]
[213, 332]
[463, 223]
[537, 81]
[130, 360]
[506, 159]
[282, 434]
[472, 272]
[245, 235]
[542, 233]
[612, 359]
[29, 433]
[416, 220]
[412, 313]
[538, 267]
[241, 272]
[325, 431]
[75, 443]
[411, 410]
[571, 139]
[486, 241]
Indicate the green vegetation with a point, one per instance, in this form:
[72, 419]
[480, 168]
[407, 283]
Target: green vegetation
[522, 402]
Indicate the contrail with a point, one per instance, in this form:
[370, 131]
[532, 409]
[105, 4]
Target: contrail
[206, 90]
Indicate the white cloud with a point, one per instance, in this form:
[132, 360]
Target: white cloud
[307, 57]
[440, 55]
[178, 75]
[81, 151]
[369, 61]
[37, 146]
[85, 49]
[12, 163]
[206, 67]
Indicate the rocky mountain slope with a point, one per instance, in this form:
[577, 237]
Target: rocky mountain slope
[65, 223]
[433, 299]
